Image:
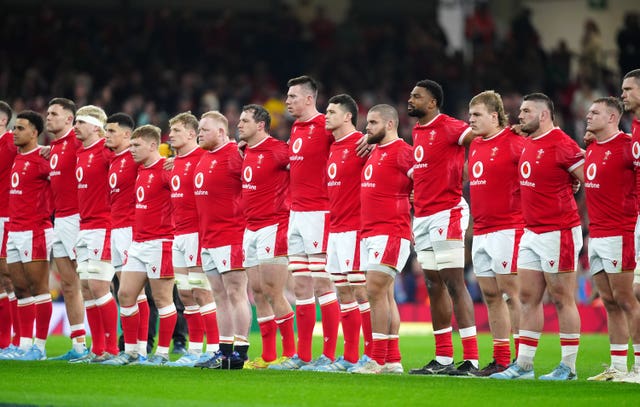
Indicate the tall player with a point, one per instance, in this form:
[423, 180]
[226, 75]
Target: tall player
[218, 190]
[552, 239]
[386, 184]
[123, 171]
[30, 237]
[149, 257]
[265, 183]
[441, 219]
[308, 222]
[62, 159]
[345, 260]
[93, 245]
[8, 301]
[611, 204]
[631, 100]
[498, 222]
[193, 286]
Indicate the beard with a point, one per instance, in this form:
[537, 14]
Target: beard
[415, 112]
[531, 127]
[375, 138]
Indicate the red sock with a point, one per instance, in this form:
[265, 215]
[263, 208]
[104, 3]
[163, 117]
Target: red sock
[469, 346]
[516, 343]
[444, 343]
[168, 317]
[26, 315]
[210, 322]
[268, 329]
[502, 351]
[15, 320]
[393, 349]
[109, 317]
[306, 320]
[365, 314]
[5, 322]
[94, 319]
[44, 309]
[143, 320]
[379, 348]
[330, 311]
[351, 322]
[285, 325]
[130, 319]
[195, 326]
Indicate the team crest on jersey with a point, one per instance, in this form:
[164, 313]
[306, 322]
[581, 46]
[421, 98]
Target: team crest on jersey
[248, 174]
[494, 152]
[175, 182]
[79, 174]
[607, 154]
[140, 194]
[418, 154]
[635, 149]
[15, 179]
[368, 172]
[592, 169]
[540, 154]
[477, 169]
[297, 145]
[525, 170]
[53, 163]
[198, 180]
[113, 180]
[332, 170]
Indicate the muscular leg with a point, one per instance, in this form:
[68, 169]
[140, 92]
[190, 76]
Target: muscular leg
[533, 285]
[617, 324]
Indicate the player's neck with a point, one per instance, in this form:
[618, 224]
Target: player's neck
[428, 117]
[152, 159]
[342, 132]
[543, 129]
[186, 149]
[308, 115]
[59, 134]
[91, 140]
[28, 148]
[257, 138]
[388, 138]
[491, 134]
[606, 134]
[122, 147]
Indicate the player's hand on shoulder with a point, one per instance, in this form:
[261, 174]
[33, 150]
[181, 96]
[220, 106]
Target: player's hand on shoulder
[588, 138]
[45, 152]
[363, 149]
[517, 128]
[168, 164]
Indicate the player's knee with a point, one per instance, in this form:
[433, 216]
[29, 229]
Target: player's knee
[100, 270]
[182, 282]
[279, 261]
[427, 259]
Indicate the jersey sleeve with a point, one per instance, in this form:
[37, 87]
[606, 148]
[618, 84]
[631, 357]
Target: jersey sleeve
[281, 153]
[406, 160]
[569, 155]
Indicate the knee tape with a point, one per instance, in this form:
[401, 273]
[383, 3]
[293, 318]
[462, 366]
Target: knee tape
[427, 259]
[449, 258]
[100, 270]
[357, 278]
[182, 282]
[199, 280]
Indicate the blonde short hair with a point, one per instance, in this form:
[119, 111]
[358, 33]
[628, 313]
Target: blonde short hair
[148, 132]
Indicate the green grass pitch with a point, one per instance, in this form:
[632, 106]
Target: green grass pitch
[62, 384]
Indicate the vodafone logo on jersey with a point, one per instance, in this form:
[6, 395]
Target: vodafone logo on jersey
[79, 174]
[368, 172]
[332, 170]
[175, 183]
[247, 174]
[591, 172]
[297, 145]
[53, 163]
[525, 170]
[635, 149]
[418, 154]
[15, 180]
[477, 169]
[113, 180]
[198, 180]
[140, 194]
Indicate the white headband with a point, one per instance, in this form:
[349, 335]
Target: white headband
[90, 119]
